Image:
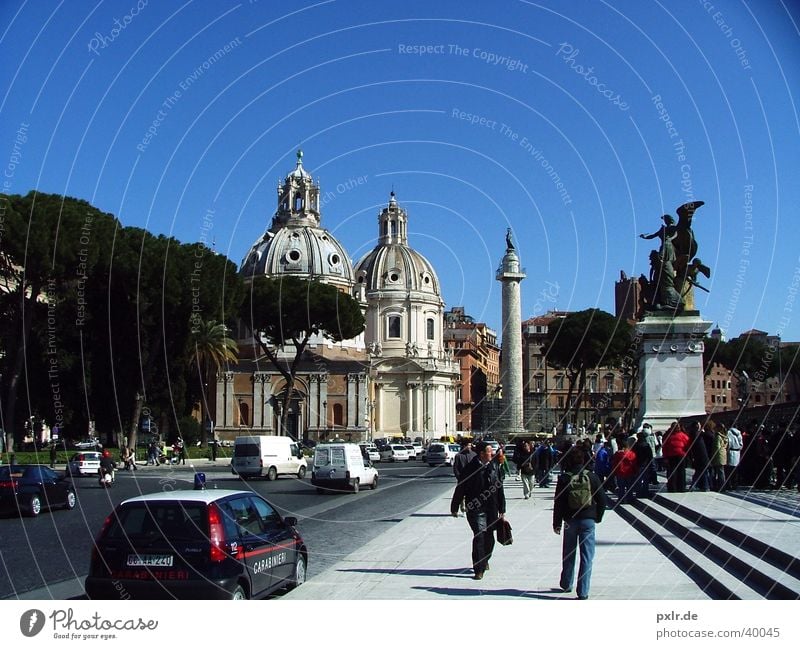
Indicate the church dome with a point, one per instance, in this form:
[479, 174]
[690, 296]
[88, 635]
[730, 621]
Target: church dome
[393, 266]
[295, 243]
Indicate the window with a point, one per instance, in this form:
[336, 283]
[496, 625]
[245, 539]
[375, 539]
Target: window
[338, 414]
[626, 383]
[609, 383]
[593, 383]
[298, 203]
[244, 414]
[393, 326]
[724, 398]
[429, 328]
[560, 402]
[538, 363]
[559, 382]
[538, 382]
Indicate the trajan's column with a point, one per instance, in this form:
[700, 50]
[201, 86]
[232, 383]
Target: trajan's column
[510, 275]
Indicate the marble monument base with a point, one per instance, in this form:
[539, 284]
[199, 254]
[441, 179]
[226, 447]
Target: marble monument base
[671, 368]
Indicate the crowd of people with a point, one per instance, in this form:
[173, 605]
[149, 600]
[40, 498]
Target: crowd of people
[628, 464]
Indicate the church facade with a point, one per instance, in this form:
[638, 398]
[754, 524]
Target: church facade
[395, 379]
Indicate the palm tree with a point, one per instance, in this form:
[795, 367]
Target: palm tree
[209, 348]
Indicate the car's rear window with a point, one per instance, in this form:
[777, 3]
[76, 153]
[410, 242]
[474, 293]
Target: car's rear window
[322, 457]
[174, 521]
[245, 450]
[435, 448]
[455, 447]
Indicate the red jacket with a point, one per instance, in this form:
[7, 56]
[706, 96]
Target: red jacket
[676, 444]
[624, 464]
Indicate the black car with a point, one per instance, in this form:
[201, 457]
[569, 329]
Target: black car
[28, 489]
[219, 544]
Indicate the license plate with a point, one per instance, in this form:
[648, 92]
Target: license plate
[149, 559]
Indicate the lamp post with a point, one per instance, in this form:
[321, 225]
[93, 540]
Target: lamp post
[324, 417]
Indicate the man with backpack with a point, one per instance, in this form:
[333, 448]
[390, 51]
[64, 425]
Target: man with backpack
[579, 504]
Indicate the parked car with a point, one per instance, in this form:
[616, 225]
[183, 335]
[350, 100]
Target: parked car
[28, 489]
[216, 544]
[419, 450]
[441, 453]
[508, 451]
[86, 463]
[87, 444]
[395, 453]
[372, 453]
[412, 452]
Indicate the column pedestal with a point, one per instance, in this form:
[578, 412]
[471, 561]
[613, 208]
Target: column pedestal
[671, 368]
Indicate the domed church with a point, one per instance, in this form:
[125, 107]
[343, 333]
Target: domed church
[395, 379]
[414, 378]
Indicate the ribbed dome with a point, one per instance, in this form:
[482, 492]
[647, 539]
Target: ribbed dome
[295, 244]
[393, 264]
[301, 250]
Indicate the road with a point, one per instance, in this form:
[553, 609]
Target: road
[56, 546]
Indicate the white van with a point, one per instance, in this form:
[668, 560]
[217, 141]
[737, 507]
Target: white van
[342, 466]
[255, 456]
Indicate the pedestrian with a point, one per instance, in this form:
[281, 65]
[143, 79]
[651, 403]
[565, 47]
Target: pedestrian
[675, 447]
[481, 488]
[644, 462]
[180, 451]
[524, 461]
[543, 463]
[735, 443]
[625, 469]
[602, 466]
[579, 505]
[719, 458]
[699, 455]
[461, 460]
[53, 454]
[502, 463]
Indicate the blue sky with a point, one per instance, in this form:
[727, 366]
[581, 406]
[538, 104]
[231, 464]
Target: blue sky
[576, 124]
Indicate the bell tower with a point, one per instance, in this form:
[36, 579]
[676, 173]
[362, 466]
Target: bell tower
[393, 223]
[298, 199]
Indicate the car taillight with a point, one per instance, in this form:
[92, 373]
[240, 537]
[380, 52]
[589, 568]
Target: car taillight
[216, 534]
[347, 475]
[103, 530]
[80, 458]
[8, 484]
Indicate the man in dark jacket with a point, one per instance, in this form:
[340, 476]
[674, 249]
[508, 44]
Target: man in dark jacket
[579, 522]
[481, 488]
[460, 461]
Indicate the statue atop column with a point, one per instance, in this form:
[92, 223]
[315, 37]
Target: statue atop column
[674, 266]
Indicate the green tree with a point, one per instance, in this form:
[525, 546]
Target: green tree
[585, 340]
[286, 310]
[210, 347]
[47, 244]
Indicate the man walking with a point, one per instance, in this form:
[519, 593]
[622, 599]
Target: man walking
[579, 504]
[482, 489]
[461, 460]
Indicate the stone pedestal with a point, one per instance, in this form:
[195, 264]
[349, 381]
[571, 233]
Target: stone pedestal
[671, 368]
